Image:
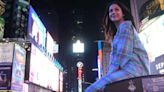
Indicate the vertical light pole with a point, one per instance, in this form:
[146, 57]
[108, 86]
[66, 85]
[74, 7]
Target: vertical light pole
[78, 48]
[80, 72]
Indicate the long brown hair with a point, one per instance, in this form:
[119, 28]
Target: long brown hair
[109, 27]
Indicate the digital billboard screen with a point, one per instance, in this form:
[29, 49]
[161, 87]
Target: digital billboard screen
[151, 35]
[49, 44]
[36, 29]
[18, 68]
[42, 70]
[7, 56]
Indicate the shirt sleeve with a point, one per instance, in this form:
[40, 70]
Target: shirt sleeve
[124, 46]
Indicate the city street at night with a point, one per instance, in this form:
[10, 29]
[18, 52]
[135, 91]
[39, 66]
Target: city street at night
[81, 45]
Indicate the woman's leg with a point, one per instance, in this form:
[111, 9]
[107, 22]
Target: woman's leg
[108, 78]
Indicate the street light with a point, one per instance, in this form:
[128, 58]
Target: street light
[80, 73]
[78, 47]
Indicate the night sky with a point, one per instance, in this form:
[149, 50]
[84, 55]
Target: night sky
[58, 16]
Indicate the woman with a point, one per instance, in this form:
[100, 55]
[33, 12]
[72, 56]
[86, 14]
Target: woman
[128, 57]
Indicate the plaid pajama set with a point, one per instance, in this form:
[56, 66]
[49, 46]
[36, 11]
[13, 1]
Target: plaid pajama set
[128, 58]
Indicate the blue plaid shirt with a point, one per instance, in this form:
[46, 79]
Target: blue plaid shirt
[128, 52]
[128, 57]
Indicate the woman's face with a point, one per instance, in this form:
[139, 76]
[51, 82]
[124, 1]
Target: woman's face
[115, 13]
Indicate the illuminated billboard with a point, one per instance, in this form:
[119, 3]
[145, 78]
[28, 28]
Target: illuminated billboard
[50, 44]
[18, 69]
[152, 34]
[42, 70]
[36, 29]
[7, 56]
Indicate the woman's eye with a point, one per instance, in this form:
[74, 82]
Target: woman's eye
[110, 10]
[116, 9]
